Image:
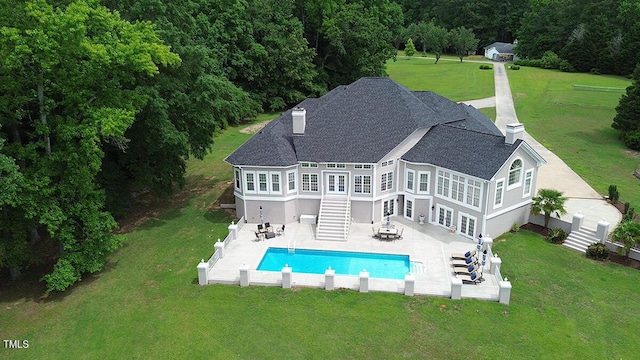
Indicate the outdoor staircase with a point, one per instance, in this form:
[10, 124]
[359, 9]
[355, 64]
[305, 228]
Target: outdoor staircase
[581, 239]
[334, 218]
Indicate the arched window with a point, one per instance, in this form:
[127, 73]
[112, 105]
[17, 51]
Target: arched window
[514, 172]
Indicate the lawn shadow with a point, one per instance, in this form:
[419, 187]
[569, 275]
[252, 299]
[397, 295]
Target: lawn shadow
[30, 287]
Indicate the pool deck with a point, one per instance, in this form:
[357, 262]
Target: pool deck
[428, 244]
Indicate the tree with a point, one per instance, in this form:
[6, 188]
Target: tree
[409, 48]
[75, 68]
[463, 41]
[547, 203]
[437, 39]
[628, 234]
[627, 119]
[351, 39]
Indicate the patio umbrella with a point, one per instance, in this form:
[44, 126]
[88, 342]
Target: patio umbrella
[480, 241]
[388, 219]
[261, 216]
[484, 261]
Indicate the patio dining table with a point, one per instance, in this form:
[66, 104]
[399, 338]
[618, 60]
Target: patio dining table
[388, 231]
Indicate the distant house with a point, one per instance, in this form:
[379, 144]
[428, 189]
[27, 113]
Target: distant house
[374, 149]
[499, 51]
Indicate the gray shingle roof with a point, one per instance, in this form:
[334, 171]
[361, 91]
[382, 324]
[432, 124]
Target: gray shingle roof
[470, 152]
[356, 123]
[502, 48]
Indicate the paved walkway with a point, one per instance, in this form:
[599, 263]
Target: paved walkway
[555, 174]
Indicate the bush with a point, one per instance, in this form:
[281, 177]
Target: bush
[598, 252]
[632, 139]
[614, 195]
[514, 67]
[515, 228]
[486, 67]
[565, 66]
[550, 60]
[557, 236]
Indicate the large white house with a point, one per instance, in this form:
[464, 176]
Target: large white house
[375, 148]
[499, 51]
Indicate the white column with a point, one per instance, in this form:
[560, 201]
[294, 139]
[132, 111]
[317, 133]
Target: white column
[456, 288]
[286, 277]
[364, 281]
[577, 221]
[203, 272]
[233, 229]
[495, 265]
[329, 279]
[505, 292]
[244, 275]
[602, 231]
[219, 246]
[409, 284]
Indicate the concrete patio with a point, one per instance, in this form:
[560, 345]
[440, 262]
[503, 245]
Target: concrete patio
[427, 244]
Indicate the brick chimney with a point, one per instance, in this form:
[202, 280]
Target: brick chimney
[299, 116]
[515, 131]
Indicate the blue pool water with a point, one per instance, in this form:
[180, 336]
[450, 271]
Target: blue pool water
[343, 262]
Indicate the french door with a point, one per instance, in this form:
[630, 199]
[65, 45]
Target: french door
[336, 184]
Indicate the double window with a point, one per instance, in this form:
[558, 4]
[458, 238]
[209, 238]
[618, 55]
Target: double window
[310, 182]
[362, 184]
[386, 181]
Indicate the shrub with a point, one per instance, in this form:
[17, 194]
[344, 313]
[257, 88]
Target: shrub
[632, 139]
[515, 228]
[486, 67]
[598, 252]
[614, 195]
[550, 60]
[595, 71]
[565, 66]
[557, 236]
[629, 214]
[514, 67]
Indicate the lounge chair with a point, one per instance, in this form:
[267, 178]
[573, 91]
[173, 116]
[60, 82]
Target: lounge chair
[466, 255]
[466, 271]
[472, 278]
[465, 262]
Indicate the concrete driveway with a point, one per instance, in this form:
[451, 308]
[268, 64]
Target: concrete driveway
[582, 198]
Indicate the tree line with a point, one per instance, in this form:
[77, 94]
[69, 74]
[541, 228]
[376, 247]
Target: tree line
[103, 98]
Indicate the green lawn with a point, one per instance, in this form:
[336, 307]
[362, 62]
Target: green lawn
[453, 79]
[576, 125]
[147, 304]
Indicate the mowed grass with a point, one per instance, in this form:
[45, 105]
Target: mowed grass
[449, 77]
[147, 304]
[576, 125]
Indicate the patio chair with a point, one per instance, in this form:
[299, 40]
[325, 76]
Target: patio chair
[399, 236]
[281, 230]
[466, 271]
[465, 262]
[384, 237]
[466, 255]
[472, 278]
[268, 227]
[375, 233]
[261, 228]
[259, 236]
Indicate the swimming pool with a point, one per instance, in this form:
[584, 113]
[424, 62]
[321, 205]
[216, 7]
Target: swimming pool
[343, 262]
